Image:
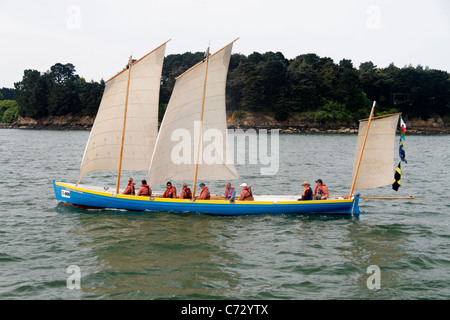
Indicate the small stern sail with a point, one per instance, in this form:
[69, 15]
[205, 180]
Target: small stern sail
[377, 162]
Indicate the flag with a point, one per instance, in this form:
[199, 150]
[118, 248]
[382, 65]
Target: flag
[397, 176]
[403, 128]
[401, 151]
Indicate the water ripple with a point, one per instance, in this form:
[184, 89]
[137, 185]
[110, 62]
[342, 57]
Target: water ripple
[161, 255]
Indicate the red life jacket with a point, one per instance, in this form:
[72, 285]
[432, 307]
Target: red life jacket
[226, 193]
[204, 191]
[187, 192]
[132, 191]
[318, 190]
[149, 191]
[170, 193]
[249, 193]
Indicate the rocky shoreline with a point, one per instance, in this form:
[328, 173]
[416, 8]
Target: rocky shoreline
[250, 121]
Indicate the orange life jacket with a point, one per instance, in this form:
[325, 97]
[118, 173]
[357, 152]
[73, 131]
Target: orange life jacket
[249, 193]
[170, 193]
[318, 190]
[304, 191]
[131, 191]
[187, 192]
[204, 191]
[226, 193]
[149, 191]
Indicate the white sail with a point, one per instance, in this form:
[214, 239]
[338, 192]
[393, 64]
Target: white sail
[377, 163]
[103, 148]
[176, 147]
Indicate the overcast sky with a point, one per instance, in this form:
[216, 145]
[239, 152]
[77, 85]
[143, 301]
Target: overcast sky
[98, 36]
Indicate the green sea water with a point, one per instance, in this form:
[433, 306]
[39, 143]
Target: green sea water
[163, 255]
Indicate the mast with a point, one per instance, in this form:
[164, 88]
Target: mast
[183, 114]
[362, 149]
[124, 125]
[201, 124]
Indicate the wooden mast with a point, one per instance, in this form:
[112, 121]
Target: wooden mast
[130, 62]
[201, 124]
[362, 149]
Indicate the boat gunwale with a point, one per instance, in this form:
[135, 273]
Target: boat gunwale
[187, 201]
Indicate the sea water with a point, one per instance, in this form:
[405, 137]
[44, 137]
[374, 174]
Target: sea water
[397, 249]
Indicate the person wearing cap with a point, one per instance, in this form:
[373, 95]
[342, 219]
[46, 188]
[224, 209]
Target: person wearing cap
[307, 193]
[171, 191]
[320, 191]
[246, 194]
[204, 194]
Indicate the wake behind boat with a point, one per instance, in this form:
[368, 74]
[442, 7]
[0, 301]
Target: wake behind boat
[125, 137]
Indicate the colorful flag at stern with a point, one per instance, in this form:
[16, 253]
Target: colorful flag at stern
[401, 151]
[403, 128]
[397, 178]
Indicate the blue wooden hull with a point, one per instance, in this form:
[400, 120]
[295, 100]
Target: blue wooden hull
[83, 197]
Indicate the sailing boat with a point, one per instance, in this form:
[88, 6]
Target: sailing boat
[124, 137]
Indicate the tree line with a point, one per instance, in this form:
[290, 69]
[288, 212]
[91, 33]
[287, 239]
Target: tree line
[310, 87]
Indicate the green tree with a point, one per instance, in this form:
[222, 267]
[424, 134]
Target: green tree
[32, 94]
[64, 99]
[61, 73]
[90, 96]
[347, 87]
[332, 112]
[253, 94]
[9, 111]
[304, 83]
[368, 76]
[235, 82]
[276, 84]
[8, 94]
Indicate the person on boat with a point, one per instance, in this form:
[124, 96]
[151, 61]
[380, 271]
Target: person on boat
[320, 191]
[307, 193]
[204, 194]
[144, 190]
[230, 193]
[171, 191]
[130, 188]
[246, 194]
[185, 192]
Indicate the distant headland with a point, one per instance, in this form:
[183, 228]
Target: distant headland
[249, 120]
[264, 90]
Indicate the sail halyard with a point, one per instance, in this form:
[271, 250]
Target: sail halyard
[177, 142]
[103, 149]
